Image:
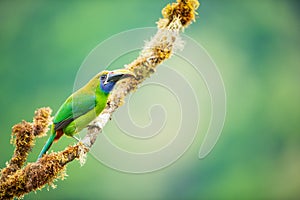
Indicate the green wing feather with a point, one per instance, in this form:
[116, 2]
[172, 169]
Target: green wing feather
[75, 106]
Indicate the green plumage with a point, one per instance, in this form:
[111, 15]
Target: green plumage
[83, 106]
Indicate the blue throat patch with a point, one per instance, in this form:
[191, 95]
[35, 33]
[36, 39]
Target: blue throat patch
[108, 87]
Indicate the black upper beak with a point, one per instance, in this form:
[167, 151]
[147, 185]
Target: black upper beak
[114, 77]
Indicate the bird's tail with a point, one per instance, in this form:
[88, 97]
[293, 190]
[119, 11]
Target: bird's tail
[48, 144]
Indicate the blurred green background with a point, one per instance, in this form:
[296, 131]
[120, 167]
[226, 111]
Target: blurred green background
[256, 47]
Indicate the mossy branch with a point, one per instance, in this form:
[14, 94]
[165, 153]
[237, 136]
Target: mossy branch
[17, 180]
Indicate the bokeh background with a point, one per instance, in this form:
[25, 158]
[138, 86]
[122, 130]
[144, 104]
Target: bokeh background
[256, 47]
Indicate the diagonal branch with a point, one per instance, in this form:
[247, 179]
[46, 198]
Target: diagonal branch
[177, 16]
[16, 181]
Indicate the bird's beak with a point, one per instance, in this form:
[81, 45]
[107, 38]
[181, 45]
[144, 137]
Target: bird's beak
[119, 74]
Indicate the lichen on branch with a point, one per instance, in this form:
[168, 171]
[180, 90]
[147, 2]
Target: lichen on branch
[23, 136]
[17, 180]
[176, 17]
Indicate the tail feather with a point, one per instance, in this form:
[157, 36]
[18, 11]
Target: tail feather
[47, 145]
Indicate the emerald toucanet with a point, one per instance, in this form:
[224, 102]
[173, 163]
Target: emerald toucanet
[83, 106]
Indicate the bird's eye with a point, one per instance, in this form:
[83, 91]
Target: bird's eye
[103, 77]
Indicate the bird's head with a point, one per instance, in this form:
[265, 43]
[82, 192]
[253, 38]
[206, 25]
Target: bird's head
[108, 79]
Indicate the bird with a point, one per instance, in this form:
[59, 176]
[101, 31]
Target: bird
[83, 106]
